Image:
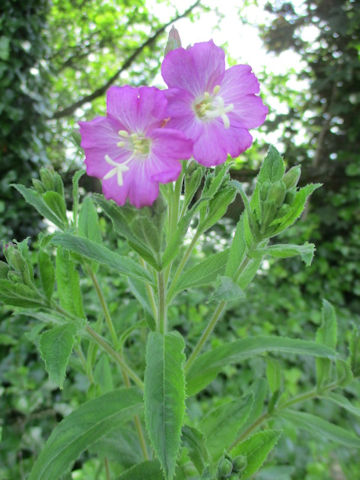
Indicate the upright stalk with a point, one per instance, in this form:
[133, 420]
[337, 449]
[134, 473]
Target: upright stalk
[162, 317]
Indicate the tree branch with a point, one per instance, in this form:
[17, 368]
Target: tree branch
[101, 90]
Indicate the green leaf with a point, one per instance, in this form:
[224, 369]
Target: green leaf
[47, 273]
[203, 273]
[4, 48]
[295, 209]
[138, 289]
[249, 272]
[55, 348]
[149, 470]
[165, 396]
[259, 391]
[273, 167]
[35, 199]
[305, 251]
[68, 284]
[89, 249]
[195, 443]
[209, 364]
[4, 269]
[326, 335]
[89, 221]
[273, 374]
[256, 449]
[221, 425]
[226, 290]
[322, 428]
[90, 422]
[57, 204]
[342, 402]
[19, 295]
[217, 208]
[103, 375]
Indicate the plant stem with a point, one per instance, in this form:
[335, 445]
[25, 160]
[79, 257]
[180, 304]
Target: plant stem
[206, 334]
[182, 264]
[162, 320]
[267, 415]
[150, 293]
[114, 355]
[104, 306]
[107, 468]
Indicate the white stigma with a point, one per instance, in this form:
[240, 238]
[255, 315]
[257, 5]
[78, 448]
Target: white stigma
[119, 169]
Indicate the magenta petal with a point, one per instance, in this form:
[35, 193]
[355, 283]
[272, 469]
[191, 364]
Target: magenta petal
[237, 82]
[152, 105]
[197, 69]
[210, 147]
[171, 144]
[122, 105]
[248, 112]
[98, 138]
[144, 191]
[237, 140]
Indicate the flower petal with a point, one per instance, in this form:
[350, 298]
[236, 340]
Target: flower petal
[210, 147]
[122, 105]
[237, 82]
[249, 112]
[99, 138]
[196, 69]
[151, 110]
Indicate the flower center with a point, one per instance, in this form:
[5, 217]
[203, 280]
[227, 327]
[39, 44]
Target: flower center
[213, 106]
[136, 143]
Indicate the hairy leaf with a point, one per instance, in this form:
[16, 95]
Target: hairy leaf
[90, 422]
[165, 396]
[208, 365]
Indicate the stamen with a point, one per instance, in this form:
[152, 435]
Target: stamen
[120, 144]
[123, 133]
[216, 89]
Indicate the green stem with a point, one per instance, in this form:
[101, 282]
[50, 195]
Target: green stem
[213, 320]
[107, 468]
[84, 364]
[182, 264]
[114, 355]
[104, 306]
[162, 320]
[150, 293]
[311, 394]
[206, 334]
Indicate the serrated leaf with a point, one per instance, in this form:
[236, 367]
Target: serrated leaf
[295, 209]
[165, 396]
[47, 273]
[342, 402]
[217, 208]
[203, 273]
[256, 449]
[19, 295]
[35, 199]
[68, 284]
[221, 425]
[322, 428]
[89, 221]
[206, 367]
[195, 443]
[55, 348]
[306, 251]
[149, 470]
[101, 254]
[90, 422]
[259, 391]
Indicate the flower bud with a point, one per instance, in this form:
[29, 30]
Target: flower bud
[239, 463]
[39, 187]
[47, 178]
[292, 176]
[174, 41]
[277, 193]
[224, 468]
[264, 189]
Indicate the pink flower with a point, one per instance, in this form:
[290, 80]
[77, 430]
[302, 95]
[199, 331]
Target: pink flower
[212, 106]
[131, 149]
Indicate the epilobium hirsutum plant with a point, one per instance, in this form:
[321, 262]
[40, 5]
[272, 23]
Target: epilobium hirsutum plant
[153, 152]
